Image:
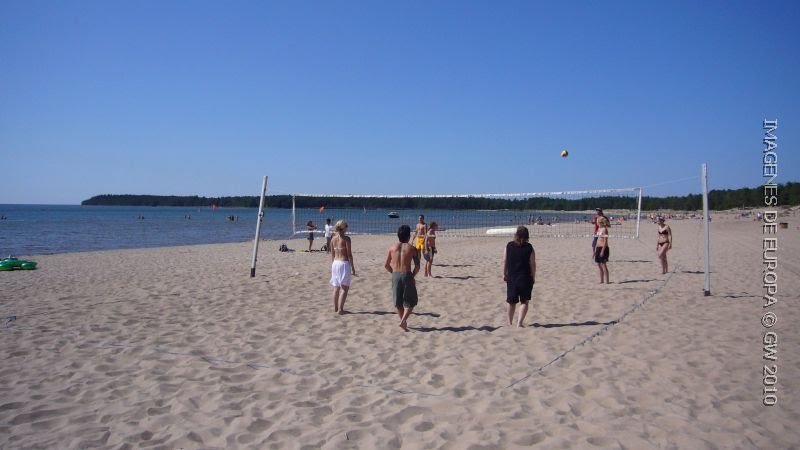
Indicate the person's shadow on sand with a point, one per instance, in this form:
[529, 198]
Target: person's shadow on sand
[574, 324]
[466, 277]
[455, 329]
[393, 313]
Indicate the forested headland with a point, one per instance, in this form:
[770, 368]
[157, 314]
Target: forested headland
[788, 195]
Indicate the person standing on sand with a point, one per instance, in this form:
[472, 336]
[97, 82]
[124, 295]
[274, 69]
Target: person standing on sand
[663, 244]
[328, 233]
[430, 248]
[601, 251]
[398, 263]
[310, 227]
[598, 213]
[519, 273]
[342, 267]
[419, 234]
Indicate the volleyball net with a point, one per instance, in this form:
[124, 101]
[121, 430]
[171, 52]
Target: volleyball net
[546, 214]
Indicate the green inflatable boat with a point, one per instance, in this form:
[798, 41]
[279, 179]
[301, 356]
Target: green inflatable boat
[12, 263]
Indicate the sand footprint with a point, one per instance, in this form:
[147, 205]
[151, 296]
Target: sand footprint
[259, 426]
[531, 439]
[423, 426]
[601, 441]
[436, 381]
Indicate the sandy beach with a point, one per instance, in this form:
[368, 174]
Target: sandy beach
[178, 347]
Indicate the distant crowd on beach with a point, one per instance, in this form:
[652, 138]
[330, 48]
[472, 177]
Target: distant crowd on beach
[404, 261]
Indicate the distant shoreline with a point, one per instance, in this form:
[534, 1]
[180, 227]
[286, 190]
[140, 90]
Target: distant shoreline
[719, 200]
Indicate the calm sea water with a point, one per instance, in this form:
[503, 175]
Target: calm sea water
[47, 229]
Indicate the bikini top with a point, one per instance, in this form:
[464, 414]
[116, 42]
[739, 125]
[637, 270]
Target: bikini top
[341, 249]
[664, 231]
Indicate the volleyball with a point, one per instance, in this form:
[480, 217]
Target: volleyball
[564, 153]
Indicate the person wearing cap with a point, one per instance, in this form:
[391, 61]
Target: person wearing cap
[663, 243]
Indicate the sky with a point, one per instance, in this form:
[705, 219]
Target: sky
[414, 97]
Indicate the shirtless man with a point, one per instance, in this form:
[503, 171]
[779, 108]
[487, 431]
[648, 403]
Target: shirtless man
[419, 234]
[430, 248]
[398, 263]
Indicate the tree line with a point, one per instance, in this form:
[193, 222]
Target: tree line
[718, 199]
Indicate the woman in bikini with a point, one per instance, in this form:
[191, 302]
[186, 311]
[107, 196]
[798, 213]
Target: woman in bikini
[601, 251]
[663, 244]
[342, 267]
[430, 248]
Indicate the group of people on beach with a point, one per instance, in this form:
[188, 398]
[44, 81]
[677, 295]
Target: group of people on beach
[600, 247]
[403, 262]
[399, 260]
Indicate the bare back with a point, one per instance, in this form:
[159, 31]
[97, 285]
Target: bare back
[341, 249]
[400, 258]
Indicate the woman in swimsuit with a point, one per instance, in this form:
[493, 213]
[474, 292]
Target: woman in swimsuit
[663, 244]
[601, 251]
[342, 267]
[430, 248]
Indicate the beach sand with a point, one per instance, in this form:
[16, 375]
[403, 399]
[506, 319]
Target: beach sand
[179, 348]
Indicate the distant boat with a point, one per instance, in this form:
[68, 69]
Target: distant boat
[394, 215]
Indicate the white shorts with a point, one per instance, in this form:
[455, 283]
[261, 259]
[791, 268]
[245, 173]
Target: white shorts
[341, 274]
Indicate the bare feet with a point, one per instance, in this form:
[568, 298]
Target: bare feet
[341, 311]
[520, 325]
[404, 326]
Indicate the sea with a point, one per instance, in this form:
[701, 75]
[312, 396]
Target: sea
[49, 229]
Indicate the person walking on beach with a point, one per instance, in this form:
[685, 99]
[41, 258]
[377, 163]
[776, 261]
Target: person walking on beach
[342, 267]
[398, 263]
[310, 227]
[419, 234]
[430, 248]
[328, 234]
[663, 244]
[519, 273]
[601, 251]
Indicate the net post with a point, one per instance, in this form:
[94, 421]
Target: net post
[638, 213]
[294, 227]
[707, 268]
[258, 227]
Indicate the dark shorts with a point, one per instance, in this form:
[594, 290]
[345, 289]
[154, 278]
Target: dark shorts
[519, 290]
[404, 290]
[310, 236]
[594, 242]
[601, 254]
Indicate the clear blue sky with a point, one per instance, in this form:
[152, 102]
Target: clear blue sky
[206, 97]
